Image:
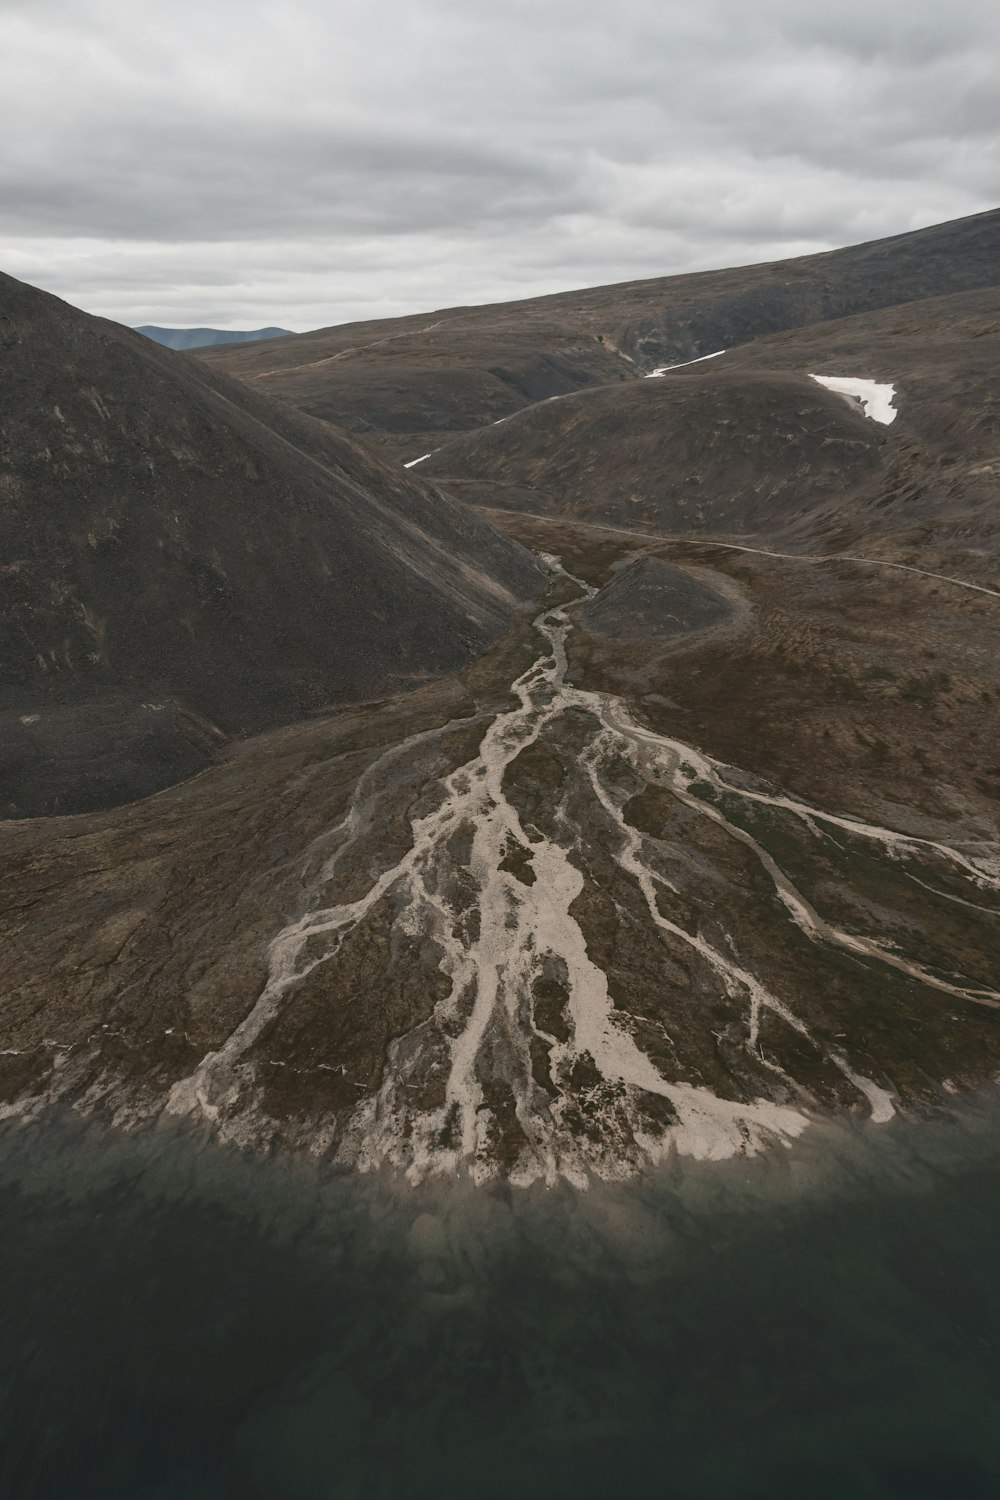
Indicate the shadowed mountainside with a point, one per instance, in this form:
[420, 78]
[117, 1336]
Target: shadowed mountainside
[184, 561]
[411, 383]
[942, 355]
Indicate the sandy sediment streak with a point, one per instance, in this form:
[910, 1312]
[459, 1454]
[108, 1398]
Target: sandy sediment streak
[521, 930]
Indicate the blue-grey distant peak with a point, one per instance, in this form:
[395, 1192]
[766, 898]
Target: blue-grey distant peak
[198, 338]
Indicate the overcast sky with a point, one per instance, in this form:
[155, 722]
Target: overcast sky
[233, 163]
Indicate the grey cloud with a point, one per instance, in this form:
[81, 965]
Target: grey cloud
[305, 183]
[237, 162]
[919, 30]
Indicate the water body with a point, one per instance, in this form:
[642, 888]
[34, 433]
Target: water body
[180, 1323]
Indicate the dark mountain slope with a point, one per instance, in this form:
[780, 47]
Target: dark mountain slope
[199, 338]
[183, 561]
[411, 383]
[942, 355]
[728, 444]
[707, 454]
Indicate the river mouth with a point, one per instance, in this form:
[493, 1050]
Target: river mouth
[186, 1321]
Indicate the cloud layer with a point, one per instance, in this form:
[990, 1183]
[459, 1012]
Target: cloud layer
[239, 163]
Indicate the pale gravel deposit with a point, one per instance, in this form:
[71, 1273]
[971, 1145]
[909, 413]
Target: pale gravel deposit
[521, 930]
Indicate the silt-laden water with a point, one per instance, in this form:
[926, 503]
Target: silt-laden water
[181, 1324]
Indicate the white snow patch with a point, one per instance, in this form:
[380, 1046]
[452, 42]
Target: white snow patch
[662, 369]
[414, 461]
[876, 399]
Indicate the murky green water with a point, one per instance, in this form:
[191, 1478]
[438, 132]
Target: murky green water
[177, 1324]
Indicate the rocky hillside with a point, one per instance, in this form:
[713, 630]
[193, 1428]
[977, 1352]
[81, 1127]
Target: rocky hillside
[709, 453]
[748, 445]
[184, 562]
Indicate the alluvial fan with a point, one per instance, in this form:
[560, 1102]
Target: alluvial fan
[540, 1056]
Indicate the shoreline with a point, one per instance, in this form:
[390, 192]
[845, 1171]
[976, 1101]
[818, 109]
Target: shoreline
[839, 1157]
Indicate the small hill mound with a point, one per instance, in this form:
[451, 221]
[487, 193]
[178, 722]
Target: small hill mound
[703, 453]
[650, 598]
[942, 356]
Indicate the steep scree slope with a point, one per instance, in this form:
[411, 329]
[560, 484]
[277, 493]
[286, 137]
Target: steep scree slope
[183, 561]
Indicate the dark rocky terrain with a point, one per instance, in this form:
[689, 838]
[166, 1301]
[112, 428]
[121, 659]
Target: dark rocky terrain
[409, 384]
[200, 338]
[184, 562]
[746, 445]
[650, 599]
[744, 455]
[707, 846]
[942, 355]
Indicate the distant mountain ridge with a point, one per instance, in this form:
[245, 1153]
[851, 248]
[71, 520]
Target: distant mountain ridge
[411, 384]
[201, 338]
